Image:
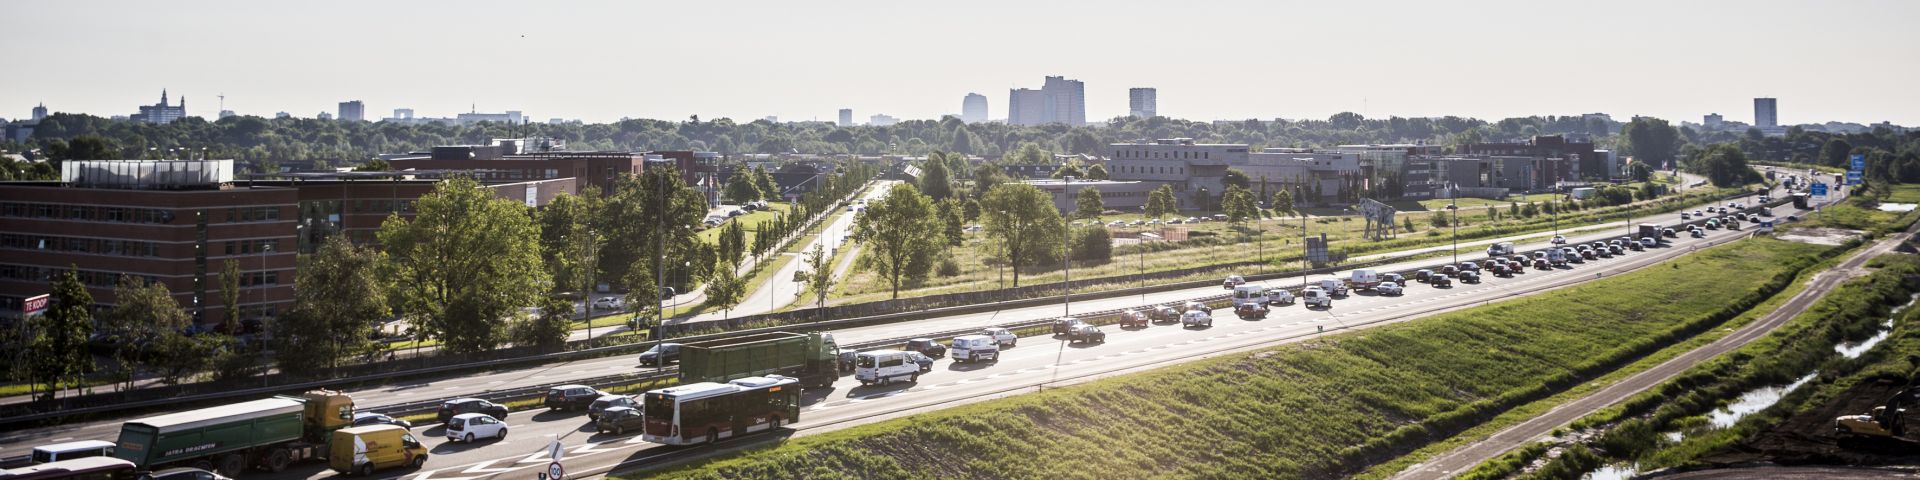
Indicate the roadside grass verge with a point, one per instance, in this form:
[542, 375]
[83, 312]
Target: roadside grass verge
[1631, 431]
[1328, 407]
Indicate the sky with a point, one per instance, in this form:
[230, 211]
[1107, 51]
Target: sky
[599, 61]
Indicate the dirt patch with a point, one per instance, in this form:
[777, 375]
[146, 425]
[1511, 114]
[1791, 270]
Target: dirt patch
[1809, 437]
[1820, 236]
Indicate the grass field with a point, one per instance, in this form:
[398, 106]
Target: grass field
[1326, 408]
[1904, 194]
[750, 222]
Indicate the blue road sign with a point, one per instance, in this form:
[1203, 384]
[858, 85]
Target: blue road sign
[1859, 162]
[1817, 189]
[1854, 177]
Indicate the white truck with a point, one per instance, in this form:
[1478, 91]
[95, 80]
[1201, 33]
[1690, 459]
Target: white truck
[1247, 293]
[1363, 279]
[1500, 249]
[1556, 256]
[1315, 297]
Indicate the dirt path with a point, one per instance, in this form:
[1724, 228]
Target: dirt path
[1452, 462]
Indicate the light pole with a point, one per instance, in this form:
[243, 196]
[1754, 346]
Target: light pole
[265, 248]
[1305, 252]
[1066, 252]
[586, 291]
[1454, 206]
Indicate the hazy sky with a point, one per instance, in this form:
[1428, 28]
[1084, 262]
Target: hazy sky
[601, 60]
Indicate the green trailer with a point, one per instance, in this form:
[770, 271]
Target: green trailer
[268, 434]
[811, 357]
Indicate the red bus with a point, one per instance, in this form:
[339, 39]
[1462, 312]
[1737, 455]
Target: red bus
[88, 468]
[708, 412]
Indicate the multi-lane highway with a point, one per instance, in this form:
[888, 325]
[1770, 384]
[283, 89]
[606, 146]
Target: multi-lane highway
[1036, 361]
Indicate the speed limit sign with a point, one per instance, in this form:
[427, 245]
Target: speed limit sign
[554, 472]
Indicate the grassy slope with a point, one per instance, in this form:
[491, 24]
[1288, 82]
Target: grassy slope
[1298, 410]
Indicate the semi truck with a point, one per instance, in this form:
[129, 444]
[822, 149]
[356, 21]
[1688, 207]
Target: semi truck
[1649, 230]
[812, 358]
[268, 434]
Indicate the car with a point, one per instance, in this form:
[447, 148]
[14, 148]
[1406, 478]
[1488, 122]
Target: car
[609, 304]
[183, 473]
[1469, 266]
[1686, 216]
[1541, 255]
[600, 405]
[1389, 288]
[1153, 222]
[1649, 242]
[926, 346]
[1003, 336]
[1315, 297]
[1518, 259]
[1195, 318]
[1193, 219]
[1558, 240]
[845, 360]
[661, 354]
[1087, 334]
[1250, 311]
[570, 396]
[1334, 287]
[1133, 318]
[1669, 233]
[1197, 305]
[1470, 277]
[1500, 270]
[975, 348]
[1542, 264]
[1116, 223]
[467, 427]
[463, 406]
[1165, 313]
[618, 420]
[1636, 246]
[1393, 277]
[1449, 270]
[1134, 223]
[1517, 266]
[1489, 264]
[921, 360]
[1713, 224]
[361, 419]
[1176, 221]
[1615, 250]
[736, 213]
[1588, 254]
[1063, 325]
[1232, 281]
[1279, 296]
[1422, 275]
[1697, 233]
[1440, 281]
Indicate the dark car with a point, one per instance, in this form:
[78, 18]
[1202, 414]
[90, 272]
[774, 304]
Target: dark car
[1588, 254]
[1394, 277]
[1165, 313]
[926, 346]
[1516, 267]
[369, 418]
[1250, 311]
[1423, 275]
[662, 353]
[1063, 325]
[1086, 333]
[1450, 270]
[1133, 318]
[925, 362]
[1440, 281]
[600, 405]
[1470, 277]
[1636, 246]
[618, 420]
[1500, 270]
[458, 406]
[1469, 267]
[1489, 264]
[566, 397]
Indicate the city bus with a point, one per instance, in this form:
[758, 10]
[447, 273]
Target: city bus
[708, 412]
[88, 468]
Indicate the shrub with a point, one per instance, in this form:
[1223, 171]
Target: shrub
[947, 268]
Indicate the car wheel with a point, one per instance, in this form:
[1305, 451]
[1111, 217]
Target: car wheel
[467, 439]
[915, 378]
[420, 461]
[713, 436]
[773, 423]
[366, 470]
[502, 435]
[620, 430]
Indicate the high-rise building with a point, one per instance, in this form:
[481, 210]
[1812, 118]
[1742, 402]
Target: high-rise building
[1057, 101]
[353, 111]
[1143, 102]
[846, 117]
[40, 112]
[324, 116]
[403, 114]
[161, 112]
[974, 108]
[1766, 113]
[1713, 120]
[226, 113]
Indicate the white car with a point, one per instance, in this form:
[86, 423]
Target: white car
[1195, 317]
[467, 427]
[1389, 288]
[1315, 297]
[1004, 336]
[974, 348]
[609, 303]
[1279, 296]
[1559, 240]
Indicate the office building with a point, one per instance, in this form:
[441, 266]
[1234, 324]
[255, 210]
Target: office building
[1191, 167]
[402, 114]
[974, 108]
[1143, 103]
[324, 115]
[1713, 120]
[1561, 159]
[353, 111]
[161, 112]
[510, 117]
[226, 113]
[882, 120]
[1766, 113]
[282, 115]
[772, 119]
[846, 117]
[1057, 101]
[1125, 196]
[40, 112]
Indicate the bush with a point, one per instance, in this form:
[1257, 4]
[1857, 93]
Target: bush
[947, 267]
[1092, 244]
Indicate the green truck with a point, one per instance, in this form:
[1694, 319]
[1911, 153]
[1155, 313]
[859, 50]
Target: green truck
[267, 434]
[811, 357]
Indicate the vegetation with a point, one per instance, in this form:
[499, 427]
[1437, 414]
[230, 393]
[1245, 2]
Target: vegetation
[1026, 228]
[56, 347]
[902, 235]
[1324, 408]
[465, 264]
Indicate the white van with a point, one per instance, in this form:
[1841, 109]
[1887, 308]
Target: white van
[72, 450]
[1500, 249]
[1249, 294]
[974, 348]
[1364, 279]
[884, 367]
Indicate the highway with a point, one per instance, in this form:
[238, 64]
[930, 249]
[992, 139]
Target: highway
[1035, 362]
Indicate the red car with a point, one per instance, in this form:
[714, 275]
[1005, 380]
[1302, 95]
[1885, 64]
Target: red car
[1541, 265]
[1133, 318]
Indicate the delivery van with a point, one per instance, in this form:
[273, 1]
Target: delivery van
[974, 348]
[1249, 294]
[362, 450]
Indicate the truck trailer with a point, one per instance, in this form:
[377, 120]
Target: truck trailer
[810, 357]
[268, 434]
[1649, 230]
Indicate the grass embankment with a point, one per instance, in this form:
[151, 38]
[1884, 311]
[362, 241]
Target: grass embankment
[1324, 408]
[1632, 431]
[1862, 212]
[1216, 243]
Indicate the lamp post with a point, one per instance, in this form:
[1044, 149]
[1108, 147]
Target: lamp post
[586, 291]
[265, 248]
[1306, 263]
[1454, 206]
[1066, 252]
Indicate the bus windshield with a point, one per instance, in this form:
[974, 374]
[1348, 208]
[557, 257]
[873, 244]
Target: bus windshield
[658, 405]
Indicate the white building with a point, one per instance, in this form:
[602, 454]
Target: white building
[882, 120]
[974, 108]
[1143, 102]
[1059, 100]
[846, 117]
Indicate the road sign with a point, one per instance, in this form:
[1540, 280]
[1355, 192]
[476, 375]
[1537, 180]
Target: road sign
[1817, 189]
[555, 472]
[1859, 162]
[1854, 177]
[553, 451]
[34, 305]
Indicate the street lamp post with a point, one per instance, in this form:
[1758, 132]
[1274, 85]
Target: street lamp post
[1066, 251]
[1454, 206]
[1306, 263]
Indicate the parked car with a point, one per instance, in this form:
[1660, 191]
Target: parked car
[1250, 311]
[1315, 297]
[570, 396]
[1164, 313]
[1088, 334]
[975, 348]
[926, 346]
[1195, 318]
[1440, 281]
[1133, 318]
[462, 406]
[600, 405]
[618, 420]
[1232, 281]
[1389, 288]
[1279, 296]
[662, 353]
[467, 427]
[921, 361]
[1004, 337]
[362, 419]
[1063, 325]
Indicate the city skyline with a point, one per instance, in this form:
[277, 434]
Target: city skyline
[86, 47]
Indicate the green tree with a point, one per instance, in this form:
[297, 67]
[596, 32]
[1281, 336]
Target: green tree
[1836, 153]
[1097, 172]
[1652, 140]
[375, 165]
[57, 353]
[547, 330]
[147, 313]
[1639, 172]
[935, 181]
[985, 177]
[1283, 202]
[651, 221]
[1028, 153]
[567, 239]
[1068, 170]
[1406, 222]
[1236, 178]
[1160, 202]
[1024, 225]
[725, 289]
[763, 181]
[1724, 165]
[1438, 219]
[740, 188]
[818, 276]
[464, 264]
[902, 235]
[1092, 244]
[1088, 204]
[732, 243]
[339, 294]
[953, 227]
[83, 147]
[1238, 204]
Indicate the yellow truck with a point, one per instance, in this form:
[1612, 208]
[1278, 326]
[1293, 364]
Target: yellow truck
[362, 450]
